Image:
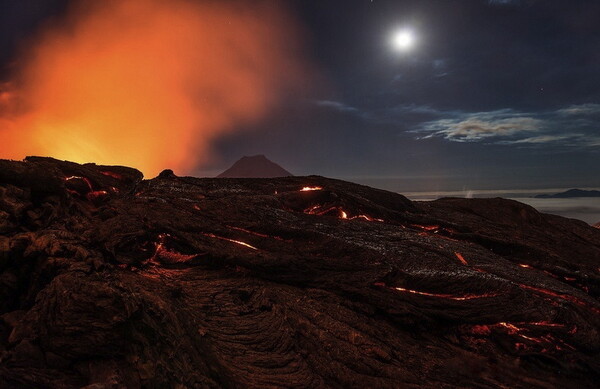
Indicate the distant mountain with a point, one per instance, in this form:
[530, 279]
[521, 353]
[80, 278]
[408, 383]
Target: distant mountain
[571, 193]
[257, 166]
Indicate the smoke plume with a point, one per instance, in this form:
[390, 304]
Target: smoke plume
[148, 83]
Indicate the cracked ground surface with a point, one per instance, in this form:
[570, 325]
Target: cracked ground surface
[108, 281]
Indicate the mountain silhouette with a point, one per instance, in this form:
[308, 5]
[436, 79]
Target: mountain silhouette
[571, 193]
[257, 166]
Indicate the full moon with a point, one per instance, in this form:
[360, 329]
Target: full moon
[403, 40]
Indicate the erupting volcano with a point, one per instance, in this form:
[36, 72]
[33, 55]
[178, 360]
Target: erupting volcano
[148, 83]
[110, 280]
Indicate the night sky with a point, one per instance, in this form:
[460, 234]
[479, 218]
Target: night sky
[491, 95]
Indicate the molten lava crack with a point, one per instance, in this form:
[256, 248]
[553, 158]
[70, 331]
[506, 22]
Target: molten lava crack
[230, 240]
[440, 295]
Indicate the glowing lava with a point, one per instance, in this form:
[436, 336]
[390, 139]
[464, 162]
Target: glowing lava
[367, 218]
[257, 233]
[113, 175]
[164, 255]
[310, 188]
[440, 295]
[341, 213]
[562, 296]
[231, 240]
[461, 258]
[448, 296]
[528, 331]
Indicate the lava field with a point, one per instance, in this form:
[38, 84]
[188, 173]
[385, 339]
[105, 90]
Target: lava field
[111, 281]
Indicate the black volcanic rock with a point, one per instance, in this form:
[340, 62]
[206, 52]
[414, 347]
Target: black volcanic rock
[291, 282]
[257, 166]
[571, 193]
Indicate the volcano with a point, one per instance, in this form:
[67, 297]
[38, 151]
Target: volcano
[257, 166]
[109, 280]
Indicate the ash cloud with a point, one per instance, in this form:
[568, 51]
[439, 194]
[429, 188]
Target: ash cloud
[149, 83]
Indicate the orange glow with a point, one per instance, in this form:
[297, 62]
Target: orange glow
[113, 175]
[85, 179]
[318, 210]
[562, 296]
[231, 240]
[367, 218]
[97, 194]
[321, 210]
[148, 83]
[524, 330]
[162, 253]
[461, 258]
[512, 329]
[448, 296]
[427, 228]
[310, 188]
[256, 233]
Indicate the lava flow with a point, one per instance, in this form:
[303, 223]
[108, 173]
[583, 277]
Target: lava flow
[164, 255]
[82, 186]
[562, 296]
[231, 240]
[319, 210]
[536, 333]
[461, 258]
[440, 295]
[257, 233]
[202, 282]
[310, 188]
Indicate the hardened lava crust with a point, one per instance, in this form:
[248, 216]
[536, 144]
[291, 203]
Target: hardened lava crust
[111, 281]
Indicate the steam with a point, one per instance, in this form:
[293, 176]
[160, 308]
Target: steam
[148, 83]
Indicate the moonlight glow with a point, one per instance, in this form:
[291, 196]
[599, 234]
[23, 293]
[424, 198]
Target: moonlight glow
[403, 40]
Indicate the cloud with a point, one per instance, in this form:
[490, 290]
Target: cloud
[543, 139]
[336, 106]
[504, 2]
[580, 110]
[388, 115]
[573, 126]
[482, 125]
[416, 109]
